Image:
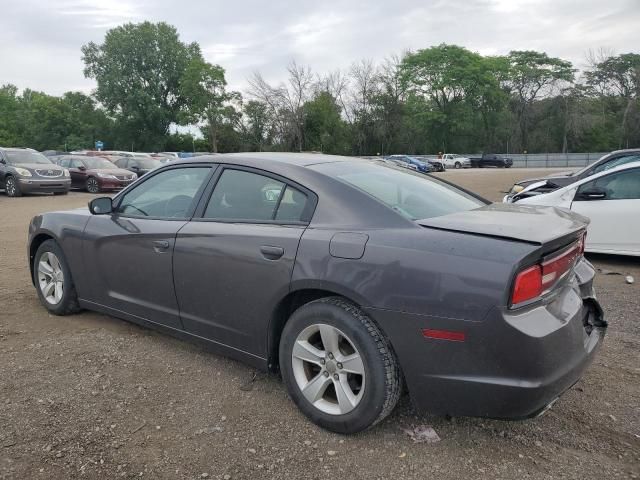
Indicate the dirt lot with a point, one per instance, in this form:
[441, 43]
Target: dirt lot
[89, 396]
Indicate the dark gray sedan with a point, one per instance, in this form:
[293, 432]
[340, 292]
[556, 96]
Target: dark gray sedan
[349, 277]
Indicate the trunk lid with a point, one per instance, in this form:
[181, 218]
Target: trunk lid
[525, 223]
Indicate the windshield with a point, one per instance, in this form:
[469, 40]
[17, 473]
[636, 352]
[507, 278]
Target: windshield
[18, 157]
[96, 163]
[412, 195]
[147, 163]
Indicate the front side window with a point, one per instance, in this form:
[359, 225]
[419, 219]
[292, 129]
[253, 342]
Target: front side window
[616, 186]
[168, 194]
[241, 195]
[412, 195]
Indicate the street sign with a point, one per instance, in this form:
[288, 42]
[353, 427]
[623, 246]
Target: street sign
[99, 145]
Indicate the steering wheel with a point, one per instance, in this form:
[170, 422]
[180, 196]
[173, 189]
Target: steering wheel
[177, 206]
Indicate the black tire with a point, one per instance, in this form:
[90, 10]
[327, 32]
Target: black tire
[383, 385]
[457, 165]
[92, 185]
[12, 187]
[68, 304]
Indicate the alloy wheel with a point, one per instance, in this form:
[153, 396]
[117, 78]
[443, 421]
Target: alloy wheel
[50, 278]
[11, 187]
[328, 369]
[92, 186]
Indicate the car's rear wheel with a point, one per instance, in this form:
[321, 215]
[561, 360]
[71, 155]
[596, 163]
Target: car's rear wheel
[11, 187]
[458, 165]
[92, 185]
[53, 281]
[338, 366]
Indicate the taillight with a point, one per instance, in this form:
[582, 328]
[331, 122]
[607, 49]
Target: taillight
[534, 281]
[528, 285]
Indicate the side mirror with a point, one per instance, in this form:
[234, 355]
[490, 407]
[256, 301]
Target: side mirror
[82, 167]
[3, 161]
[134, 167]
[101, 206]
[593, 193]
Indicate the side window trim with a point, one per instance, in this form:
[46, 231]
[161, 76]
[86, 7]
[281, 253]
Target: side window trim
[312, 198]
[196, 198]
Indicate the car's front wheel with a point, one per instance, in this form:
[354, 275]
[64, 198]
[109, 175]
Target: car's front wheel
[458, 165]
[92, 185]
[338, 366]
[52, 278]
[11, 187]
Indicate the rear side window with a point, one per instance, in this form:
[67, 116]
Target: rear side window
[247, 196]
[241, 195]
[412, 195]
[292, 205]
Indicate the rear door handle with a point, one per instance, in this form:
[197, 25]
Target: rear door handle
[271, 253]
[160, 245]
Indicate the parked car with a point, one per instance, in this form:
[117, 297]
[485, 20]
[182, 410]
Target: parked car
[406, 160]
[53, 153]
[348, 276]
[23, 170]
[559, 180]
[451, 160]
[138, 165]
[610, 199]
[437, 164]
[491, 160]
[95, 174]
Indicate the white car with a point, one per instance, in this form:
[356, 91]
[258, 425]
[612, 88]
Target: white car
[451, 160]
[611, 199]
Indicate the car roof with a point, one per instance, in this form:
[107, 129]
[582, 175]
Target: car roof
[287, 158]
[18, 149]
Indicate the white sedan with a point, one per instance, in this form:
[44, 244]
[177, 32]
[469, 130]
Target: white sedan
[611, 199]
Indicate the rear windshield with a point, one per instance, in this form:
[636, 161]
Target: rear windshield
[143, 162]
[17, 157]
[411, 194]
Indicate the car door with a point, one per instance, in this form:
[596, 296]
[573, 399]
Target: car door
[78, 173]
[612, 202]
[128, 254]
[233, 262]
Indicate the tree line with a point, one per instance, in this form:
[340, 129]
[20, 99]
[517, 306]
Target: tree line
[444, 98]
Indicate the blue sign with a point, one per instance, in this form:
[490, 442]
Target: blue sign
[99, 145]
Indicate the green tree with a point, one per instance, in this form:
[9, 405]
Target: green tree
[139, 70]
[9, 107]
[618, 77]
[324, 128]
[450, 79]
[532, 75]
[205, 87]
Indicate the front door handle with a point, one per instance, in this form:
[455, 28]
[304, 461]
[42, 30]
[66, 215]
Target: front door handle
[271, 253]
[160, 245]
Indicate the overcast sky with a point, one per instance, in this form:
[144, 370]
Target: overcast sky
[40, 40]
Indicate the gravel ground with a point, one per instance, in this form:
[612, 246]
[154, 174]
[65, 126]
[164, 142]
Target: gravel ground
[90, 396]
